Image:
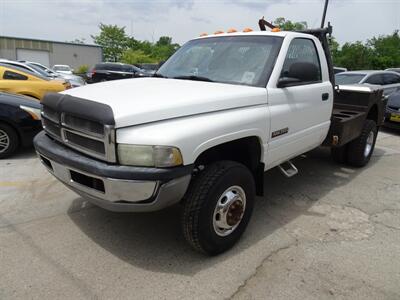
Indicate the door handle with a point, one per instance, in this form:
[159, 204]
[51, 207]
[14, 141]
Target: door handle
[325, 96]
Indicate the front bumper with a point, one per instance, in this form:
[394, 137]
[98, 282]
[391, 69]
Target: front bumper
[113, 187]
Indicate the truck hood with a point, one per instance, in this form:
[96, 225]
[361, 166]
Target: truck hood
[143, 100]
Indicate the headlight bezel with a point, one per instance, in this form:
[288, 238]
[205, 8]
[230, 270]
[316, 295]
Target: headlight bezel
[34, 112]
[154, 156]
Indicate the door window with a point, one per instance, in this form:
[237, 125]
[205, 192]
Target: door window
[375, 79]
[14, 76]
[390, 79]
[301, 58]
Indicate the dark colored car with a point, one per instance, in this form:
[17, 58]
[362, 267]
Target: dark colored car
[19, 122]
[113, 71]
[392, 115]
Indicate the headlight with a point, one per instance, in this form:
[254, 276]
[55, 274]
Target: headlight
[34, 112]
[149, 156]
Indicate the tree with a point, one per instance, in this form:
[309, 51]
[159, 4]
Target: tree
[113, 40]
[386, 50]
[288, 25]
[377, 53]
[134, 57]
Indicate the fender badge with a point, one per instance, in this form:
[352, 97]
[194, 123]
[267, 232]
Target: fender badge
[279, 132]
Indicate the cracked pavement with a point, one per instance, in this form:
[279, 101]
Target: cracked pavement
[331, 232]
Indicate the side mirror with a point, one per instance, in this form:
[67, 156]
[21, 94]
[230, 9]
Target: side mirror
[300, 73]
[287, 81]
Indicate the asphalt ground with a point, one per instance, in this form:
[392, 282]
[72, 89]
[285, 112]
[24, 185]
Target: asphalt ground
[331, 232]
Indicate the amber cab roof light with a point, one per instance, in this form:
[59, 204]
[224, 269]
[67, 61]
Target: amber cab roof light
[276, 29]
[219, 32]
[231, 30]
[247, 29]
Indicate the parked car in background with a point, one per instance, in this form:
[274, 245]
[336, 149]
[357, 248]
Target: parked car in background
[149, 68]
[397, 70]
[63, 69]
[19, 81]
[337, 70]
[113, 71]
[42, 67]
[390, 81]
[392, 116]
[31, 68]
[19, 122]
[74, 80]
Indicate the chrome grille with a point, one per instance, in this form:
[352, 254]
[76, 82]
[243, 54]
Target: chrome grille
[87, 126]
[86, 136]
[80, 141]
[51, 114]
[51, 128]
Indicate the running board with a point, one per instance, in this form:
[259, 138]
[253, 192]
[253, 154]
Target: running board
[289, 170]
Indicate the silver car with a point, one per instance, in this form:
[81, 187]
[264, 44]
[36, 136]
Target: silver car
[390, 81]
[74, 80]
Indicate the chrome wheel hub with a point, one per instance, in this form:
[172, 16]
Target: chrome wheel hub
[4, 141]
[229, 210]
[368, 145]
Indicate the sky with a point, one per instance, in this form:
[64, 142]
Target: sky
[352, 20]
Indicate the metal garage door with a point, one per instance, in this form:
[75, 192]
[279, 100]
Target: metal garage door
[34, 55]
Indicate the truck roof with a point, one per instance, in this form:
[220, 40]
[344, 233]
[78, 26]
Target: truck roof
[257, 33]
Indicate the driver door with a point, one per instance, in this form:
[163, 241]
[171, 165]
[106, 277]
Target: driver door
[300, 112]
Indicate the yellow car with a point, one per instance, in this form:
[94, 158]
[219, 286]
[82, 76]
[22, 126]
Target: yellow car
[18, 81]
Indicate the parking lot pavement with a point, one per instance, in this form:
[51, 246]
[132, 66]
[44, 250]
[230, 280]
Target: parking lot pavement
[330, 232]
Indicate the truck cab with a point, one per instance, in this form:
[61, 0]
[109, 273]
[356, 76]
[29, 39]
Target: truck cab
[219, 113]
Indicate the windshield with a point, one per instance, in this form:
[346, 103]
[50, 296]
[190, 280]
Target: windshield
[343, 78]
[47, 70]
[61, 68]
[246, 60]
[39, 70]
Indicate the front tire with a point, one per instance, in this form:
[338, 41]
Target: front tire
[8, 140]
[360, 150]
[218, 206]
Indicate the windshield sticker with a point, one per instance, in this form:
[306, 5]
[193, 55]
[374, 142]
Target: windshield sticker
[248, 77]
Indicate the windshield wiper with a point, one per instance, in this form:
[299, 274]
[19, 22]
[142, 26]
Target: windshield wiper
[194, 77]
[159, 75]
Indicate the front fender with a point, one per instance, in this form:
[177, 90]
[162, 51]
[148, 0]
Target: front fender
[195, 134]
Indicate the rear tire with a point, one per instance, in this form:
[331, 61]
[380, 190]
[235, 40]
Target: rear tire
[8, 140]
[218, 206]
[360, 150]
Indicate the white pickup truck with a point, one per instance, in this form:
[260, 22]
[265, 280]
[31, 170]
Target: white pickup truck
[219, 113]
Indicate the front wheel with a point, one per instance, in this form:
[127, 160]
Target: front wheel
[8, 140]
[218, 206]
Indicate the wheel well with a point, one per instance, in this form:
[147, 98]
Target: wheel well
[373, 113]
[246, 151]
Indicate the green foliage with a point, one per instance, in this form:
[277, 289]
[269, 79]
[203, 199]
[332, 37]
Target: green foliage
[134, 57]
[288, 25]
[113, 40]
[82, 69]
[117, 46]
[376, 54]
